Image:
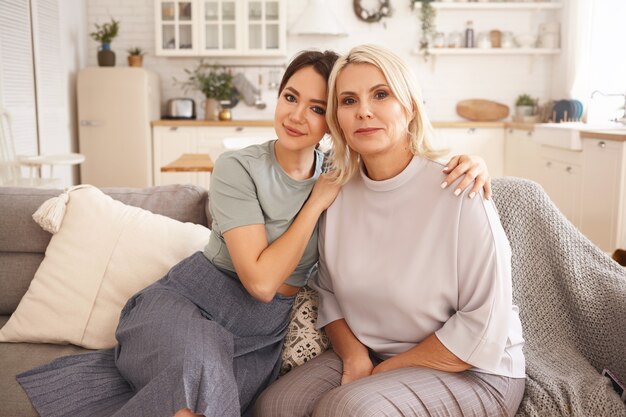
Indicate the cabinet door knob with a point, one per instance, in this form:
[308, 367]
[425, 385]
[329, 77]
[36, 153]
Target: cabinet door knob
[568, 170]
[239, 129]
[471, 130]
[548, 164]
[511, 131]
[529, 133]
[602, 144]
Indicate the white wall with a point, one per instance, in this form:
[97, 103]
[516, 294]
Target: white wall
[73, 35]
[445, 81]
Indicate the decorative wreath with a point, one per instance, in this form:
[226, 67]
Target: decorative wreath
[371, 16]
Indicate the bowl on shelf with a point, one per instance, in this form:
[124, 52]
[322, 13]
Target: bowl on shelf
[525, 41]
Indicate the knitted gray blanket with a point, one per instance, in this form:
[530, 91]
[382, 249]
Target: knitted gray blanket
[572, 300]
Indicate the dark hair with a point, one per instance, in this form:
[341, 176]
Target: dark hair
[322, 63]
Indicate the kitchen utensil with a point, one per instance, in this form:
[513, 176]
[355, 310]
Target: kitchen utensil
[482, 110]
[258, 102]
[507, 40]
[495, 36]
[248, 91]
[525, 40]
[579, 110]
[180, 108]
[564, 111]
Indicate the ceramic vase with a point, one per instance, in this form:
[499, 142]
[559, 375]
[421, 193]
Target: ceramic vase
[106, 57]
[212, 109]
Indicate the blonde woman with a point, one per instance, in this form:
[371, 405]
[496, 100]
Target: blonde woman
[414, 284]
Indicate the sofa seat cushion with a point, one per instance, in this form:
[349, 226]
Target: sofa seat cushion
[19, 357]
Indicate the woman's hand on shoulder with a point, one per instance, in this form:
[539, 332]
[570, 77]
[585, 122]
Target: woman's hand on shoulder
[324, 191]
[474, 169]
[355, 368]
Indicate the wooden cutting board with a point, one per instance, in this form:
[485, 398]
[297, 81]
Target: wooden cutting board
[482, 110]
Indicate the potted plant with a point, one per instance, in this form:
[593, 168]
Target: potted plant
[215, 82]
[427, 24]
[104, 34]
[525, 105]
[135, 56]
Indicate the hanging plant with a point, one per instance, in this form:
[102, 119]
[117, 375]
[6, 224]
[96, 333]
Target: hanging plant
[427, 24]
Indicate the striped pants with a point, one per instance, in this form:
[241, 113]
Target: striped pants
[314, 390]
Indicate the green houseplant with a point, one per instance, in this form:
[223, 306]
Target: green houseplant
[427, 24]
[105, 33]
[135, 56]
[525, 105]
[214, 81]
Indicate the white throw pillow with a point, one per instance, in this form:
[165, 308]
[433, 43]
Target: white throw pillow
[104, 252]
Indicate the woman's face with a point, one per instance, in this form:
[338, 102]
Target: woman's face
[299, 119]
[371, 118]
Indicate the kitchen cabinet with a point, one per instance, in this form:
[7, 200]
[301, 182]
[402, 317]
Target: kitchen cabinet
[604, 193]
[560, 174]
[485, 142]
[220, 27]
[170, 142]
[521, 154]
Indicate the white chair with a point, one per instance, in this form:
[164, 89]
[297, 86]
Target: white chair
[11, 164]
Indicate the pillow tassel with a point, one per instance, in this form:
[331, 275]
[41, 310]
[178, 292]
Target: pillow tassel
[50, 214]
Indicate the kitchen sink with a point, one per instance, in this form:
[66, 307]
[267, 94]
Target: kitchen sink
[567, 135]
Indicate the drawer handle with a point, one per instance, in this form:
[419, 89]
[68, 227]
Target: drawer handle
[239, 129]
[568, 170]
[173, 128]
[602, 144]
[471, 130]
[529, 133]
[548, 164]
[511, 131]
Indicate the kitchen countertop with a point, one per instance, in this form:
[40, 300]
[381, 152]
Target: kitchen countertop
[616, 135]
[270, 123]
[214, 123]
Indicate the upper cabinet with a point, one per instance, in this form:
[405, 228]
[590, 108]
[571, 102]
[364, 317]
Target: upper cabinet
[221, 28]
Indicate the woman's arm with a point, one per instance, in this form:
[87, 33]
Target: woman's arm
[430, 353]
[354, 355]
[262, 267]
[474, 168]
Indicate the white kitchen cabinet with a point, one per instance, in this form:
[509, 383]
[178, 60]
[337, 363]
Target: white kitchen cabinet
[560, 175]
[176, 32]
[220, 27]
[521, 154]
[485, 142]
[170, 142]
[604, 193]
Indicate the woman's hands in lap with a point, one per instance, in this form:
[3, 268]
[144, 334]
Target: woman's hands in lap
[356, 368]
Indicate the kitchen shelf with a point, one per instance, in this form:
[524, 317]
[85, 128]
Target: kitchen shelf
[496, 6]
[488, 51]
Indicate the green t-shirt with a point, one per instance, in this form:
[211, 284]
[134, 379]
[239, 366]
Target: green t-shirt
[248, 186]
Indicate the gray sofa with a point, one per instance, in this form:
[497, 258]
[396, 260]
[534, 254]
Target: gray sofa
[22, 247]
[572, 296]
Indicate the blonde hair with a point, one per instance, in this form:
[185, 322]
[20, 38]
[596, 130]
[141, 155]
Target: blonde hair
[345, 161]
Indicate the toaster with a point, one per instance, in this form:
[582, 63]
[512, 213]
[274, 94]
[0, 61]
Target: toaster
[180, 108]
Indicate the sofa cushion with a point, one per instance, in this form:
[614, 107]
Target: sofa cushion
[303, 341]
[20, 235]
[19, 357]
[104, 252]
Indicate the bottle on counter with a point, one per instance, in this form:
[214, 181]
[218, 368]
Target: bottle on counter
[469, 34]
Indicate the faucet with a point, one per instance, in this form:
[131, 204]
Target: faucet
[623, 118]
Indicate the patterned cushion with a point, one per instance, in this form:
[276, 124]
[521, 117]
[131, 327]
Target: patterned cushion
[303, 341]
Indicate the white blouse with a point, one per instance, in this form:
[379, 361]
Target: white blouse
[403, 258]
